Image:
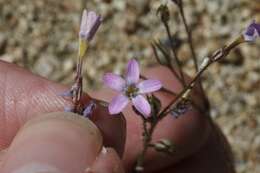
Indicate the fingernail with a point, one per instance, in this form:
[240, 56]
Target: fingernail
[89, 170]
[55, 142]
[108, 161]
[104, 151]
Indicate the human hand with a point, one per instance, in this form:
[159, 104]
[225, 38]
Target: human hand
[70, 143]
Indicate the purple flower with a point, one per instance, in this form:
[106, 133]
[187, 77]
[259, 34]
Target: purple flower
[89, 109]
[252, 32]
[181, 108]
[130, 89]
[90, 23]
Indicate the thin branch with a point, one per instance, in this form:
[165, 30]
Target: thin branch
[146, 144]
[219, 54]
[189, 35]
[169, 64]
[156, 54]
[175, 55]
[192, 49]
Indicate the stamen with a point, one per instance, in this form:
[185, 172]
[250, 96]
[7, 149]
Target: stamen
[131, 91]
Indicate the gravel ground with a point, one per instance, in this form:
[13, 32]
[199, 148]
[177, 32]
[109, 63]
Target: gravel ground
[42, 36]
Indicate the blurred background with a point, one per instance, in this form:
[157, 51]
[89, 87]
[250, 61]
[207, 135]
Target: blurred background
[42, 37]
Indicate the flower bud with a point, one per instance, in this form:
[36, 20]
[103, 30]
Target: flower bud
[90, 23]
[164, 13]
[252, 32]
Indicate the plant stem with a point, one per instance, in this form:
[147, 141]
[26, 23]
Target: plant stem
[77, 88]
[192, 49]
[147, 137]
[168, 59]
[176, 58]
[221, 53]
[189, 35]
[146, 144]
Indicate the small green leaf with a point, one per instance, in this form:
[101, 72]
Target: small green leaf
[155, 104]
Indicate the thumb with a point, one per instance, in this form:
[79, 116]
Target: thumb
[56, 143]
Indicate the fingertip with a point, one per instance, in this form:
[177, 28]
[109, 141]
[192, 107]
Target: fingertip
[61, 142]
[23, 102]
[108, 161]
[113, 128]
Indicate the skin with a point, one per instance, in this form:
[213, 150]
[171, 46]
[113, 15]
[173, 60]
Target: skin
[35, 135]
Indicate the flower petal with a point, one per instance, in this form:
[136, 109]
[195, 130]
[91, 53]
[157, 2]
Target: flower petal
[149, 85]
[117, 104]
[90, 23]
[256, 26]
[133, 72]
[142, 105]
[89, 109]
[252, 32]
[83, 24]
[114, 81]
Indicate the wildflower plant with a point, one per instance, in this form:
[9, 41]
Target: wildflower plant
[90, 22]
[135, 88]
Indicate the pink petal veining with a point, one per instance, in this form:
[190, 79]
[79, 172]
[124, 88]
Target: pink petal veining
[133, 72]
[149, 85]
[142, 105]
[114, 81]
[117, 104]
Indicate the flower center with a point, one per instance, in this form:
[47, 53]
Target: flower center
[131, 91]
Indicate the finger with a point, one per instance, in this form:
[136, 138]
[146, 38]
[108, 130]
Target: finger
[113, 129]
[2, 154]
[24, 96]
[214, 157]
[56, 143]
[107, 162]
[188, 133]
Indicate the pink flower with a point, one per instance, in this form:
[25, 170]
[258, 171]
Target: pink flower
[90, 23]
[130, 90]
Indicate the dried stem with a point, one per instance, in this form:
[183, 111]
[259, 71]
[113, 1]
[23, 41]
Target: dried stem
[168, 59]
[146, 144]
[77, 88]
[219, 54]
[192, 49]
[175, 56]
[189, 35]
